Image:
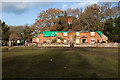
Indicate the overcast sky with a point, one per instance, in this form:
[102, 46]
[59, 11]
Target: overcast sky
[24, 12]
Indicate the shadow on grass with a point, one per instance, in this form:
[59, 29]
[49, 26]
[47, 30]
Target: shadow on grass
[41, 66]
[51, 63]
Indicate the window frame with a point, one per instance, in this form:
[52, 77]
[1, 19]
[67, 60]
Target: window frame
[78, 40]
[38, 40]
[91, 33]
[65, 34]
[92, 39]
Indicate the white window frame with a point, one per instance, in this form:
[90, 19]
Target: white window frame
[65, 34]
[48, 41]
[65, 41]
[92, 41]
[58, 40]
[77, 40]
[37, 39]
[92, 33]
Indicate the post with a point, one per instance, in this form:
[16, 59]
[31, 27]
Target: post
[10, 43]
[25, 43]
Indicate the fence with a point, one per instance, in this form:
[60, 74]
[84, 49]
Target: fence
[76, 45]
[98, 45]
[53, 45]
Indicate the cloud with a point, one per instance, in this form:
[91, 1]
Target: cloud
[83, 4]
[56, 0]
[28, 0]
[64, 6]
[21, 7]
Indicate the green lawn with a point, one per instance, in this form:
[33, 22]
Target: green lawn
[66, 63]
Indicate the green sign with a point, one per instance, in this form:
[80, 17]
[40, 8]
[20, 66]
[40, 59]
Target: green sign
[49, 33]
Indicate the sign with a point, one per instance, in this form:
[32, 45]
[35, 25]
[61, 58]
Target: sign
[65, 34]
[77, 33]
[49, 33]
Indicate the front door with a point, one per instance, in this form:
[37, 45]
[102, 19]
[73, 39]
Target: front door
[83, 40]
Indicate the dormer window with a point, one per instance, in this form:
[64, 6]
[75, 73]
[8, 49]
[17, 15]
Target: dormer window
[65, 34]
[37, 39]
[92, 33]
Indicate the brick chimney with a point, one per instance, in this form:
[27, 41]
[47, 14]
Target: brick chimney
[69, 23]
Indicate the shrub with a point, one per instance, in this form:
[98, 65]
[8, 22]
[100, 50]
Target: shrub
[60, 38]
[44, 41]
[75, 36]
[103, 41]
[54, 40]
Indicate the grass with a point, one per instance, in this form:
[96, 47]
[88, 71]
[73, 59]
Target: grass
[66, 63]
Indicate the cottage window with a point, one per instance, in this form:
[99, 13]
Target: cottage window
[37, 39]
[77, 33]
[58, 40]
[92, 40]
[64, 34]
[77, 41]
[92, 33]
[48, 41]
[65, 41]
[102, 39]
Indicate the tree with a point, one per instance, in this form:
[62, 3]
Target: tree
[0, 30]
[93, 16]
[5, 32]
[108, 10]
[73, 12]
[47, 18]
[112, 28]
[13, 37]
[26, 32]
[20, 32]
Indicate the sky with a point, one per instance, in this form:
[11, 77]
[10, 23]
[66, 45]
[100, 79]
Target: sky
[27, 11]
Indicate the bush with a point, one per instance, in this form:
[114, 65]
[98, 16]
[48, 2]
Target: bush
[5, 43]
[44, 42]
[60, 38]
[75, 36]
[54, 40]
[103, 41]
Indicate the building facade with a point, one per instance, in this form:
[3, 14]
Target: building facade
[69, 37]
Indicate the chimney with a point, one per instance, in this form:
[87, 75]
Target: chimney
[69, 24]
